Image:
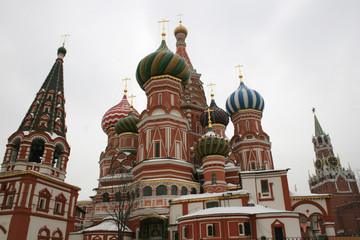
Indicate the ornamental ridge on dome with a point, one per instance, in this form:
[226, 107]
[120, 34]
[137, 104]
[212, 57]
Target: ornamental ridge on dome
[211, 144]
[162, 62]
[128, 123]
[244, 98]
[217, 115]
[117, 112]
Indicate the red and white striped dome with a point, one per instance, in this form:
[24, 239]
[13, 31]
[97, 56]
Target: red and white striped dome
[114, 114]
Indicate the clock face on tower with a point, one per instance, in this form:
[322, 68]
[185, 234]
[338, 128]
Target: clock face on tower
[332, 161]
[318, 164]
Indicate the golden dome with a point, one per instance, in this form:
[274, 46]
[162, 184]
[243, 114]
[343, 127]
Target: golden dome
[181, 29]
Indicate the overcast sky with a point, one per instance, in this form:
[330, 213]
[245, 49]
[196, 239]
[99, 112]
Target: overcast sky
[296, 54]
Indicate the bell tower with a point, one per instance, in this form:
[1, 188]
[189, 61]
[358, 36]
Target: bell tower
[34, 199]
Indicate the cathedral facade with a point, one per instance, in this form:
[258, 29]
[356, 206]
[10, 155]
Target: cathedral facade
[187, 179]
[167, 172]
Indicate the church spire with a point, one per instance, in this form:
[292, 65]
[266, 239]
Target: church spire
[47, 112]
[318, 129]
[180, 34]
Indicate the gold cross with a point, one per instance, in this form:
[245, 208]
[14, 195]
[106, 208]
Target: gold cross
[208, 111]
[126, 79]
[211, 87]
[65, 36]
[240, 75]
[163, 33]
[131, 105]
[180, 15]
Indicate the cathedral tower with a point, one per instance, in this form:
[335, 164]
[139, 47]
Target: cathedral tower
[193, 100]
[33, 193]
[251, 145]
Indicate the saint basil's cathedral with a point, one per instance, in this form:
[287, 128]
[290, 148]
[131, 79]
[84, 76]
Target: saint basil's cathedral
[171, 166]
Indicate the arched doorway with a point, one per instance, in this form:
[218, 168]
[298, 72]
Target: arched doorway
[153, 227]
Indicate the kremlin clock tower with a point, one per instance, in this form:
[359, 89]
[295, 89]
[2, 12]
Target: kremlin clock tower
[331, 177]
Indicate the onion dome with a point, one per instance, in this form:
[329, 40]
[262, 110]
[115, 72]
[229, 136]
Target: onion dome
[217, 115]
[211, 144]
[244, 98]
[180, 29]
[127, 124]
[62, 50]
[114, 114]
[162, 62]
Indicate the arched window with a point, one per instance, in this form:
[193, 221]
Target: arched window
[161, 190]
[57, 156]
[118, 196]
[183, 191]
[36, 150]
[44, 233]
[15, 150]
[210, 230]
[57, 235]
[193, 190]
[147, 191]
[105, 197]
[174, 190]
[319, 140]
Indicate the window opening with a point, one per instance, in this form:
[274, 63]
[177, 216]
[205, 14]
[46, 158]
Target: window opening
[36, 151]
[212, 204]
[264, 186]
[174, 190]
[183, 191]
[213, 179]
[161, 190]
[147, 191]
[157, 149]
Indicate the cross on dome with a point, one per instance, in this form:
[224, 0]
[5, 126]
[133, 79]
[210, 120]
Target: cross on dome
[212, 92]
[163, 34]
[126, 79]
[65, 36]
[240, 75]
[132, 98]
[180, 15]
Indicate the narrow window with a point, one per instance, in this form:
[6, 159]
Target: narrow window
[247, 228]
[185, 232]
[9, 200]
[210, 230]
[213, 179]
[58, 207]
[193, 191]
[241, 229]
[42, 203]
[160, 98]
[157, 149]
[264, 186]
[172, 99]
[247, 126]
[253, 166]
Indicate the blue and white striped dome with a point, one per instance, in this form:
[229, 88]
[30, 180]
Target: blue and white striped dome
[244, 98]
